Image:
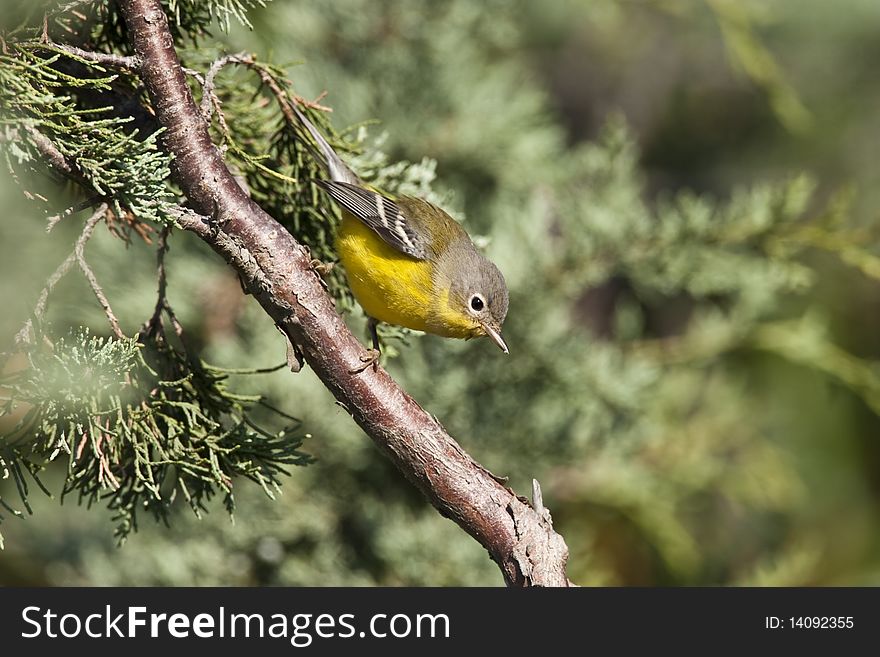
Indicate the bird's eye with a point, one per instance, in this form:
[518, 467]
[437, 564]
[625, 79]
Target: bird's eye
[477, 303]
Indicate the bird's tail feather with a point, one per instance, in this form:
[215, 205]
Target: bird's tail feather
[338, 170]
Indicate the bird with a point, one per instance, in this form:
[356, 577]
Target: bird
[408, 263]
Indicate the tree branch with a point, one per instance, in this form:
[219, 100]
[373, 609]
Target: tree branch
[276, 270]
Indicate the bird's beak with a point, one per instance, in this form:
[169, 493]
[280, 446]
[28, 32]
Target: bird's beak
[496, 337]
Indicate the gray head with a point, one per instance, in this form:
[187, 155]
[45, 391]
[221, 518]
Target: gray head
[477, 301]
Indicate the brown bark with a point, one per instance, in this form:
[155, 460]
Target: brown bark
[276, 270]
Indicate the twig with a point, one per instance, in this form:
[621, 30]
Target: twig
[90, 275]
[73, 209]
[49, 151]
[121, 62]
[210, 101]
[25, 334]
[209, 98]
[281, 95]
[161, 275]
[155, 322]
[126, 64]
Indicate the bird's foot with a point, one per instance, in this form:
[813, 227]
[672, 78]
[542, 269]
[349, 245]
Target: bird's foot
[370, 359]
[321, 268]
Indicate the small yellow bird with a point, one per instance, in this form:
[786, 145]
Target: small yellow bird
[408, 262]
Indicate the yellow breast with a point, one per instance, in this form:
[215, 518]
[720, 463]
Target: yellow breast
[395, 288]
[389, 285]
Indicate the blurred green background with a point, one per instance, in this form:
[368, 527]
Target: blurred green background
[694, 325]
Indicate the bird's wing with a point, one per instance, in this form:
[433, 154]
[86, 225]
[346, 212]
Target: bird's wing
[382, 215]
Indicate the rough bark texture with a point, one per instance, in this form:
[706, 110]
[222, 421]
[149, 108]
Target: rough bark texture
[276, 270]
